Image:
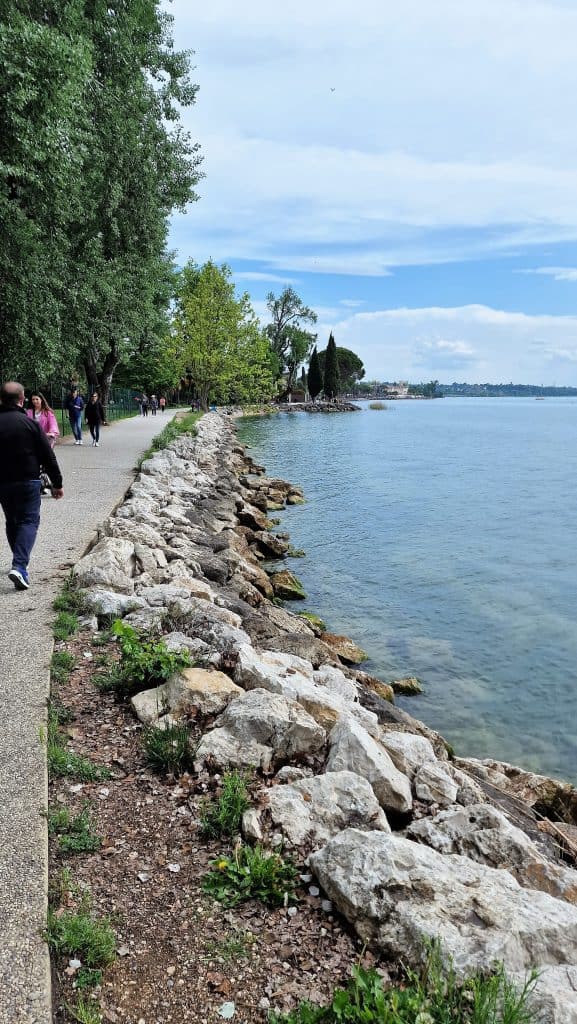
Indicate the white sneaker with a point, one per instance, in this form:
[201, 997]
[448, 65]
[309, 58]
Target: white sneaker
[77, 442]
[80, 442]
[97, 444]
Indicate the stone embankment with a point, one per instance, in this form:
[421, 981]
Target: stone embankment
[406, 842]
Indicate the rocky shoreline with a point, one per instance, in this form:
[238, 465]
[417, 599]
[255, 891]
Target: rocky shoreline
[407, 842]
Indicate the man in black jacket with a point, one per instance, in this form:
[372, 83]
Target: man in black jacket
[24, 447]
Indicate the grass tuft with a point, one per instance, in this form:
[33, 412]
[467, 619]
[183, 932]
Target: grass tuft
[78, 934]
[61, 666]
[65, 625]
[223, 816]
[63, 762]
[69, 600]
[86, 1011]
[167, 749]
[252, 873]
[143, 663]
[182, 425]
[75, 834]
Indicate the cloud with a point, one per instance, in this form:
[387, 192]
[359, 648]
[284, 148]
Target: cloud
[351, 303]
[257, 275]
[557, 273]
[475, 343]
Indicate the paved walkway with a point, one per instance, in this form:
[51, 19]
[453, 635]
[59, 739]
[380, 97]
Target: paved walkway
[95, 480]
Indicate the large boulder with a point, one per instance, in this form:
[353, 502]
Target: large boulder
[484, 834]
[434, 785]
[207, 693]
[109, 602]
[551, 798]
[352, 749]
[311, 810]
[346, 649]
[287, 586]
[264, 724]
[400, 895]
[108, 566]
[408, 751]
[304, 645]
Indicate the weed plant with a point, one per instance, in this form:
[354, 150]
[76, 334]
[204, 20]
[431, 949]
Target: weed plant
[86, 1011]
[435, 996]
[65, 625]
[252, 873]
[78, 934]
[61, 666]
[75, 834]
[223, 816]
[167, 749]
[236, 946]
[143, 663]
[63, 762]
[69, 600]
[87, 977]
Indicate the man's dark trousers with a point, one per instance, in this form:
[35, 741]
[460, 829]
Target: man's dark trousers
[21, 502]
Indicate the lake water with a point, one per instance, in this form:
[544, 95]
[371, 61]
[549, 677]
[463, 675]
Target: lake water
[442, 536]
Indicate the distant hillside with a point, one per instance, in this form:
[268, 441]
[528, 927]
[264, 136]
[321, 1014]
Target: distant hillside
[502, 390]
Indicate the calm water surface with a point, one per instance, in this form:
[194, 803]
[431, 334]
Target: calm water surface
[442, 536]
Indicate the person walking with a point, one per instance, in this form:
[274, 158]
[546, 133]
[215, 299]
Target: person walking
[75, 405]
[153, 404]
[144, 404]
[94, 415]
[24, 448]
[40, 411]
[162, 402]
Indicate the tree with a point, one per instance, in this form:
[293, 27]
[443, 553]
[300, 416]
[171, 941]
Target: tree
[351, 369]
[315, 377]
[331, 383]
[218, 339]
[289, 339]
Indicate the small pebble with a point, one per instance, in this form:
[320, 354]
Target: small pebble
[306, 878]
[314, 890]
[327, 906]
[291, 911]
[75, 964]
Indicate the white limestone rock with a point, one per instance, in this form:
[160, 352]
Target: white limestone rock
[352, 749]
[209, 693]
[108, 566]
[109, 602]
[311, 810]
[434, 785]
[408, 751]
[398, 894]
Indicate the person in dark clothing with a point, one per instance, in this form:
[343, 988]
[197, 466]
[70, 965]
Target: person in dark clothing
[94, 414]
[24, 448]
[75, 405]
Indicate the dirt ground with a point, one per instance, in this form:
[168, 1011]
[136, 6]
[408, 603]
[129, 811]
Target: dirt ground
[181, 955]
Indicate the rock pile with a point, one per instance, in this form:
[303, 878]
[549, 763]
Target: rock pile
[406, 843]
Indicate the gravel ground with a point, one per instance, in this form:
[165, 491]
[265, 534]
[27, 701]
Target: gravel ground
[95, 480]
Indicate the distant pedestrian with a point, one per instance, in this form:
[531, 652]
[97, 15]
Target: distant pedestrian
[153, 404]
[24, 448]
[95, 417]
[144, 405]
[162, 402]
[75, 405]
[138, 400]
[40, 411]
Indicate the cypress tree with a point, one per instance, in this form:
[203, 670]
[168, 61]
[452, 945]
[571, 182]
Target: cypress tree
[332, 376]
[314, 378]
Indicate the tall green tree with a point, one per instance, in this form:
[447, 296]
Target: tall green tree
[315, 377]
[218, 339]
[331, 382]
[351, 369]
[290, 340]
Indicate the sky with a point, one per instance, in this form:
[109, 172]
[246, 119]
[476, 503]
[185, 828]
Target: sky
[409, 167]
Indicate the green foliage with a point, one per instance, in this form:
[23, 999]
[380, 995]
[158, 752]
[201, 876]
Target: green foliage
[62, 762]
[251, 873]
[143, 663]
[61, 665]
[289, 339]
[314, 620]
[75, 834]
[87, 977]
[65, 625]
[221, 347]
[167, 749]
[315, 375]
[235, 946]
[69, 600]
[428, 390]
[79, 934]
[223, 816]
[92, 162]
[178, 425]
[331, 379]
[435, 996]
[86, 1011]
[351, 369]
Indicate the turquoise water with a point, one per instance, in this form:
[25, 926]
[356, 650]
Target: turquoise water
[442, 536]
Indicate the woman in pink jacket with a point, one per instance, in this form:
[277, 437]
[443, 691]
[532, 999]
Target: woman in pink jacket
[41, 412]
